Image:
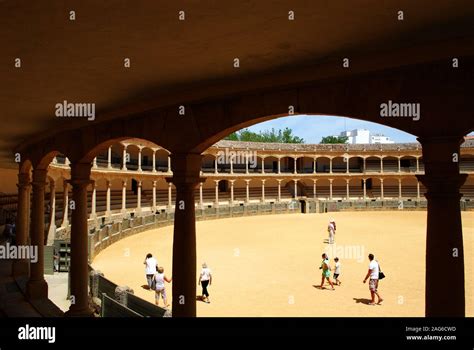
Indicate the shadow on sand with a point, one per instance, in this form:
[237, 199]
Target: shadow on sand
[362, 301]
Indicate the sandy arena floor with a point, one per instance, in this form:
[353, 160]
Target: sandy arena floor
[268, 265]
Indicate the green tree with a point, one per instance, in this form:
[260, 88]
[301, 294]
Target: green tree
[334, 139]
[280, 136]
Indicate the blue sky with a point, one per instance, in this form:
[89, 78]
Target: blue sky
[313, 128]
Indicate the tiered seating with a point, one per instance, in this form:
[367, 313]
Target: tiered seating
[372, 165]
[467, 191]
[390, 165]
[466, 164]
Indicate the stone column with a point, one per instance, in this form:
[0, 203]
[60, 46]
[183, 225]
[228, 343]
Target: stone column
[381, 189]
[169, 164]
[418, 190]
[170, 197]
[124, 197]
[154, 160]
[347, 188]
[78, 271]
[93, 201]
[108, 212]
[154, 197]
[330, 165]
[381, 165]
[109, 158]
[263, 191]
[417, 164]
[364, 165]
[279, 191]
[365, 188]
[330, 188]
[21, 267]
[52, 214]
[296, 188]
[247, 194]
[231, 192]
[399, 165]
[347, 164]
[314, 165]
[124, 158]
[94, 163]
[65, 221]
[139, 197]
[246, 164]
[216, 201]
[444, 287]
[314, 188]
[296, 163]
[215, 166]
[399, 188]
[186, 169]
[140, 159]
[201, 202]
[231, 164]
[279, 165]
[37, 288]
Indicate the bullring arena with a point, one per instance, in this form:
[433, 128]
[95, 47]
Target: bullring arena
[262, 212]
[268, 265]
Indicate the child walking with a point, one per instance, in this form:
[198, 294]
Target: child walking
[337, 271]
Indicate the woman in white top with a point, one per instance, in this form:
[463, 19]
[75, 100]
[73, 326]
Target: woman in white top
[150, 270]
[160, 280]
[205, 279]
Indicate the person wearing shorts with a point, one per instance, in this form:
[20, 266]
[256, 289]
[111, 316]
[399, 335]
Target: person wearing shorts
[326, 273]
[160, 289]
[373, 276]
[337, 271]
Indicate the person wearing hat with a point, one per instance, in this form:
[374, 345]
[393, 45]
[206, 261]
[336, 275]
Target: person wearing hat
[331, 230]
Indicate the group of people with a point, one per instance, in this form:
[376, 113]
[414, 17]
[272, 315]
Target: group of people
[374, 274]
[156, 278]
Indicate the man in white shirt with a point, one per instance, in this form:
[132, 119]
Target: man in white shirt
[150, 270]
[373, 274]
[331, 230]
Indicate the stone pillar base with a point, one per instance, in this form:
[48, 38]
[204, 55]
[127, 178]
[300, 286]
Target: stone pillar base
[82, 312]
[20, 268]
[37, 290]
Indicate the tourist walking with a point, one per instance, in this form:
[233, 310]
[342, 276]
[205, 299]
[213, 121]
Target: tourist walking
[150, 270]
[337, 271]
[373, 276]
[331, 230]
[326, 271]
[205, 280]
[159, 281]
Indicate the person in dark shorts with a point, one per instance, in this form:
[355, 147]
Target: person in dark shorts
[337, 271]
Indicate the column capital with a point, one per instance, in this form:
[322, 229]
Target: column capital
[24, 180]
[186, 168]
[447, 187]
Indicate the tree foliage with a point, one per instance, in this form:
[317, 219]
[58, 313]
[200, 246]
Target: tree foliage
[280, 136]
[334, 139]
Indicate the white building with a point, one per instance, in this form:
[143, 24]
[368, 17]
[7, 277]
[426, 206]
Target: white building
[360, 136]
